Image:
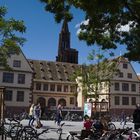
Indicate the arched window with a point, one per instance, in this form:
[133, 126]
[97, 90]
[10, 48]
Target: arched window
[42, 101]
[51, 102]
[62, 102]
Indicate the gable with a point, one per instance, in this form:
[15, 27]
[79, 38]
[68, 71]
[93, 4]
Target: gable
[24, 65]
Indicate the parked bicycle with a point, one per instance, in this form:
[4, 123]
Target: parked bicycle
[10, 129]
[30, 133]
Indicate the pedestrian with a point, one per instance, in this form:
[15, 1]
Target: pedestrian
[59, 114]
[123, 118]
[136, 117]
[31, 115]
[37, 115]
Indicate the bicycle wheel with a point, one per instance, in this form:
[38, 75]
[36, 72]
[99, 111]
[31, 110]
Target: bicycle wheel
[14, 131]
[70, 137]
[111, 126]
[27, 133]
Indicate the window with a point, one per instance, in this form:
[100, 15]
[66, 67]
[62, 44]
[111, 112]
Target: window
[72, 88]
[117, 100]
[8, 95]
[21, 78]
[20, 96]
[52, 87]
[45, 87]
[66, 88]
[125, 100]
[38, 86]
[125, 87]
[8, 77]
[121, 74]
[129, 75]
[133, 100]
[125, 66]
[59, 88]
[117, 86]
[71, 100]
[17, 63]
[133, 87]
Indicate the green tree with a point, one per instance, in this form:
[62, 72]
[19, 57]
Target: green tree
[9, 42]
[93, 76]
[106, 19]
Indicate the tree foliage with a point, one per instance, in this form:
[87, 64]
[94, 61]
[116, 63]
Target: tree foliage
[106, 22]
[94, 75]
[9, 42]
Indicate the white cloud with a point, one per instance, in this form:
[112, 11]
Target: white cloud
[85, 22]
[126, 27]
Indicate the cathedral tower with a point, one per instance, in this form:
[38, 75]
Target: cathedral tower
[65, 53]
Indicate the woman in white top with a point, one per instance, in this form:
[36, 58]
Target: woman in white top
[31, 115]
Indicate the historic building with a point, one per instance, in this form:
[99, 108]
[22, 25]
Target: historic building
[17, 83]
[124, 92]
[50, 82]
[65, 52]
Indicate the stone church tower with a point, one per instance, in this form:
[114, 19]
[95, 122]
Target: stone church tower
[65, 53]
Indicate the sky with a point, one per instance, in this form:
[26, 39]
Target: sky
[42, 33]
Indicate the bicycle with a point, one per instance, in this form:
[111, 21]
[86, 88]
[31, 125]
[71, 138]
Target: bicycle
[10, 129]
[30, 133]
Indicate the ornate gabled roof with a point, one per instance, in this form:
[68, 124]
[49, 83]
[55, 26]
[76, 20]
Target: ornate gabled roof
[53, 71]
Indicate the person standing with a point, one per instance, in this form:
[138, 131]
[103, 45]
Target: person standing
[59, 115]
[31, 115]
[136, 117]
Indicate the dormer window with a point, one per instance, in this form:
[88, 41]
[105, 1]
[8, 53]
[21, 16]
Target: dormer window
[17, 63]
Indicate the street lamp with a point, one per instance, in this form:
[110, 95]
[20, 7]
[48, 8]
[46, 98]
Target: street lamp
[1, 105]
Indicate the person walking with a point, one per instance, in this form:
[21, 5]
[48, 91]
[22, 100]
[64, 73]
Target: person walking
[136, 117]
[37, 115]
[31, 115]
[123, 118]
[59, 114]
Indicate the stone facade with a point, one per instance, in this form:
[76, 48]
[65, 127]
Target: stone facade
[17, 83]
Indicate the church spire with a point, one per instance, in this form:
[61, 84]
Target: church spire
[65, 52]
[65, 28]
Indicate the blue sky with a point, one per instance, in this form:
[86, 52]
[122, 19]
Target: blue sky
[42, 32]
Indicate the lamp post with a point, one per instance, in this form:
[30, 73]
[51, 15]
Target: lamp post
[1, 105]
[2, 110]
